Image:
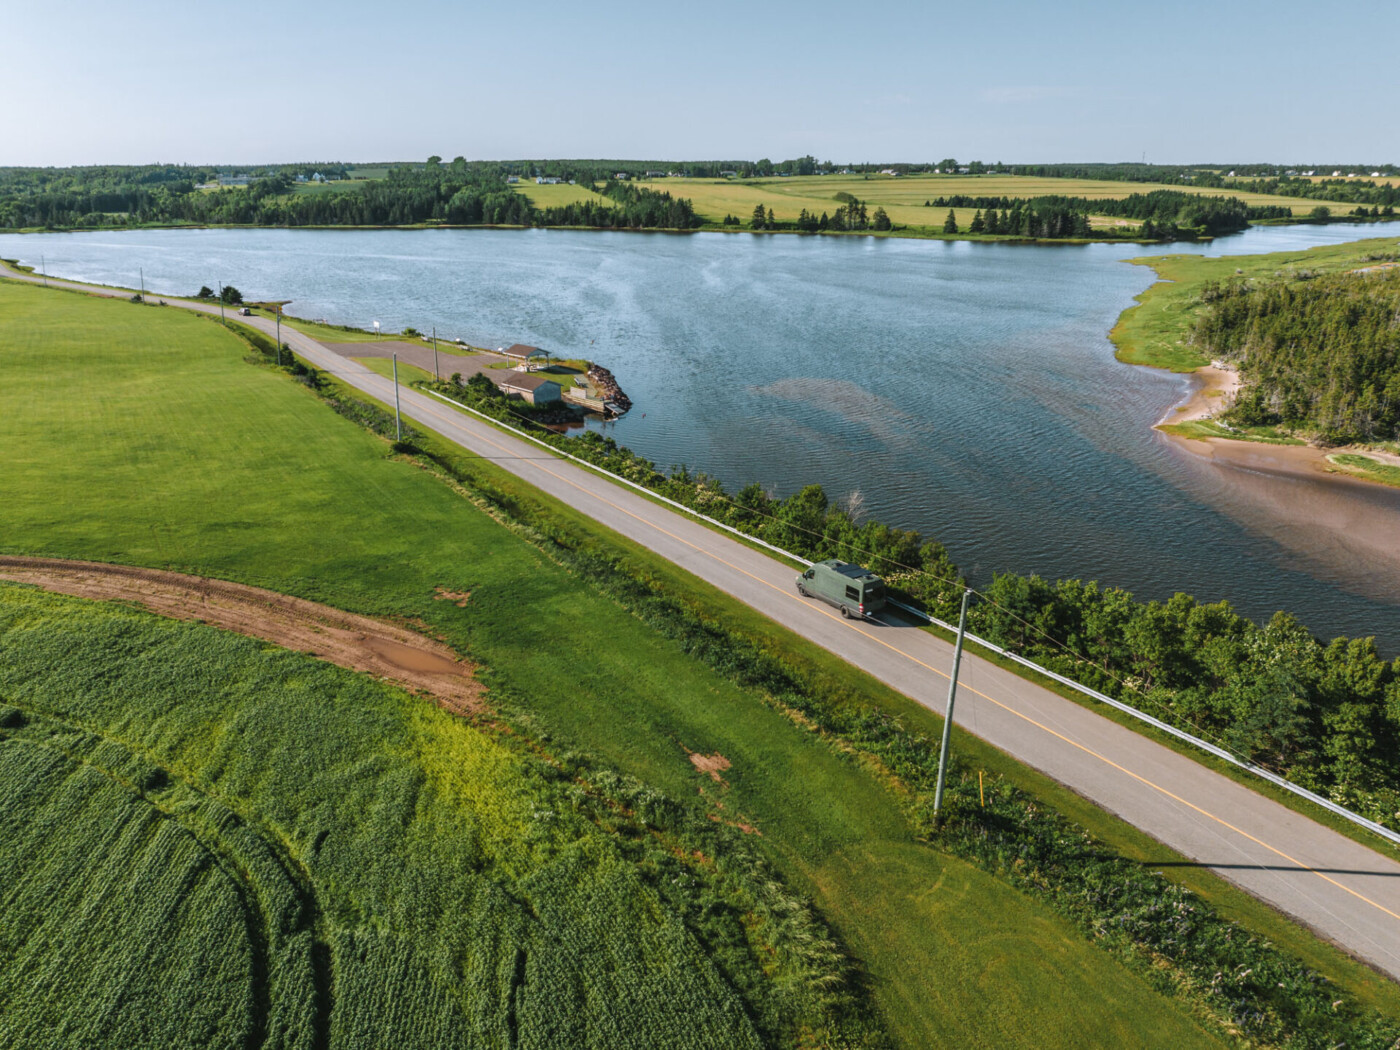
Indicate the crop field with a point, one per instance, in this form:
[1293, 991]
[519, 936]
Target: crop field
[557, 195]
[258, 846]
[903, 198]
[192, 459]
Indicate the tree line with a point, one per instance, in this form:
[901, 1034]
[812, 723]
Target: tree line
[1319, 354]
[457, 193]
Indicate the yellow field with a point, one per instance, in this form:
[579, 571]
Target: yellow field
[903, 198]
[556, 196]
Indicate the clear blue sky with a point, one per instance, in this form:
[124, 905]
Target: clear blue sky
[1008, 80]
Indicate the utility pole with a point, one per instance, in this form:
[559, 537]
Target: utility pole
[436, 378]
[221, 303]
[398, 425]
[948, 711]
[279, 335]
[142, 272]
[44, 269]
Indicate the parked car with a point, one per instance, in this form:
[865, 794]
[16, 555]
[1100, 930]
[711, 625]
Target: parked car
[854, 590]
[245, 312]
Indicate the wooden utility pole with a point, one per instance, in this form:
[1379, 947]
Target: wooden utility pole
[398, 425]
[948, 711]
[279, 335]
[437, 378]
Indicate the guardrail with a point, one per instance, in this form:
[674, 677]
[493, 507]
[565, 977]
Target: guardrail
[1094, 694]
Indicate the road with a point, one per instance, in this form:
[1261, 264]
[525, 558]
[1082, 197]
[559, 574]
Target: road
[1343, 890]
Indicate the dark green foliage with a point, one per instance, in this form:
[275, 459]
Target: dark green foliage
[1327, 716]
[457, 194]
[1321, 354]
[950, 224]
[636, 208]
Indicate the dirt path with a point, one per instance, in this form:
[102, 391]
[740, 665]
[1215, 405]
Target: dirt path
[355, 642]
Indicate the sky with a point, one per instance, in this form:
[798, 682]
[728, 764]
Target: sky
[1004, 80]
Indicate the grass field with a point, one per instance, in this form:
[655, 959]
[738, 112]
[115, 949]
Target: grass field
[1367, 467]
[288, 496]
[385, 367]
[557, 195]
[1155, 331]
[903, 198]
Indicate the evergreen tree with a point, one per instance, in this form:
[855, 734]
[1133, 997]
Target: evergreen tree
[950, 224]
[978, 224]
[882, 221]
[758, 222]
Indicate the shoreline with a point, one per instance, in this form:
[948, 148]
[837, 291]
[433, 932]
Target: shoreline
[1216, 387]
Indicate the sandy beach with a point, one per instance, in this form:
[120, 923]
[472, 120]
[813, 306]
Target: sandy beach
[1215, 390]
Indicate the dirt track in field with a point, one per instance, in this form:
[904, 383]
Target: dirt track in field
[356, 642]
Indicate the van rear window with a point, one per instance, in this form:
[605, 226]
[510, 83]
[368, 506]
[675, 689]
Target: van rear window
[853, 594]
[874, 592]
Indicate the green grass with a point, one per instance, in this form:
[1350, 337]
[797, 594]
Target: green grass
[385, 367]
[253, 842]
[1209, 428]
[559, 195]
[1155, 331]
[1366, 467]
[242, 474]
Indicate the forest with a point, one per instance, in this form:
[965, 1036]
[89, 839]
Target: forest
[457, 193]
[1318, 354]
[1166, 214]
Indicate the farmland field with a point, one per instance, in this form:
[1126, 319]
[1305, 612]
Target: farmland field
[256, 845]
[903, 198]
[558, 195]
[193, 459]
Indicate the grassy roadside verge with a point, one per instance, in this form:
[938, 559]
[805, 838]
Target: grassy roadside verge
[1240, 776]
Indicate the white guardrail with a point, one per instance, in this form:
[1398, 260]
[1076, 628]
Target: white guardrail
[1142, 716]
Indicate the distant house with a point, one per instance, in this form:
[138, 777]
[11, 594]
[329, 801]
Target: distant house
[729, 174]
[526, 355]
[655, 175]
[622, 176]
[530, 387]
[512, 178]
[547, 180]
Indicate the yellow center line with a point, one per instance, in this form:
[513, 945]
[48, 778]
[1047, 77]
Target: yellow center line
[1010, 710]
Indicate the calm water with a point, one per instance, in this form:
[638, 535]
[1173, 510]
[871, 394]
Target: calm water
[965, 390]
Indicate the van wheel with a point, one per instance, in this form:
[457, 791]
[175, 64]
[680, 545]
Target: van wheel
[846, 611]
[802, 590]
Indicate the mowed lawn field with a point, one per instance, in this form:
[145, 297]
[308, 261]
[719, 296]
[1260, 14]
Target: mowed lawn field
[903, 198]
[141, 435]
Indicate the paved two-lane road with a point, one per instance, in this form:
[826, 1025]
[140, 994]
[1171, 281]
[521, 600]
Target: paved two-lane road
[1346, 891]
